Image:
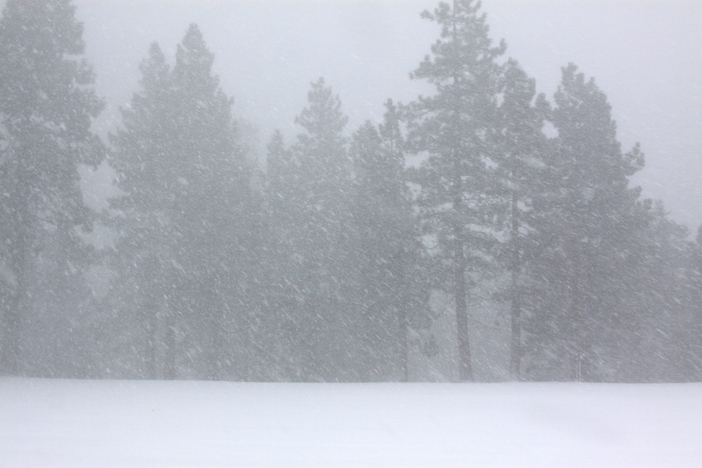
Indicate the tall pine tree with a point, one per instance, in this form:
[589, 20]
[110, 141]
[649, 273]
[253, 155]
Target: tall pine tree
[521, 143]
[46, 109]
[387, 259]
[283, 294]
[455, 128]
[324, 321]
[186, 216]
[586, 218]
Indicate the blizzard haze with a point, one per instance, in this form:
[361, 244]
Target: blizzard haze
[338, 264]
[305, 316]
[643, 54]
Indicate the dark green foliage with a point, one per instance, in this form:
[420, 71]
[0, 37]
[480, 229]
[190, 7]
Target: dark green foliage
[283, 295]
[585, 216]
[321, 322]
[659, 300]
[520, 168]
[323, 270]
[391, 286]
[46, 108]
[345, 273]
[455, 127]
[186, 217]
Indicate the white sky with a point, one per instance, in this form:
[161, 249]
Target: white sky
[644, 54]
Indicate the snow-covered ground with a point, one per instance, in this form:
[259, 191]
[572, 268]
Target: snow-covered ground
[74, 423]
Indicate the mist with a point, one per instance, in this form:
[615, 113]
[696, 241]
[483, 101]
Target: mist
[341, 192]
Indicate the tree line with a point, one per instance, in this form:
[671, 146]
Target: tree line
[323, 267]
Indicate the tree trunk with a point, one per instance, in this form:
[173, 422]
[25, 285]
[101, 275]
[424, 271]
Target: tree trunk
[403, 349]
[465, 369]
[22, 262]
[400, 275]
[152, 341]
[19, 309]
[216, 361]
[576, 308]
[516, 344]
[169, 358]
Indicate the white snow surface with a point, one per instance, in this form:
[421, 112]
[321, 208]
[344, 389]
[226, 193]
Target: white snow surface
[77, 423]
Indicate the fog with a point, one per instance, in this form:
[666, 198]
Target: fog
[392, 196]
[644, 54]
[459, 236]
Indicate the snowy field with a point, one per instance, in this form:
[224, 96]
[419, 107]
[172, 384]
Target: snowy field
[64, 423]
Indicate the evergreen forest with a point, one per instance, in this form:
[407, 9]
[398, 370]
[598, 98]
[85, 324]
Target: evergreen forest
[481, 232]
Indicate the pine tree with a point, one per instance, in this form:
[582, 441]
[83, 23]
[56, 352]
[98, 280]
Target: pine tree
[520, 166]
[220, 215]
[187, 212]
[46, 109]
[141, 160]
[455, 127]
[324, 322]
[282, 292]
[586, 217]
[659, 290]
[388, 256]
